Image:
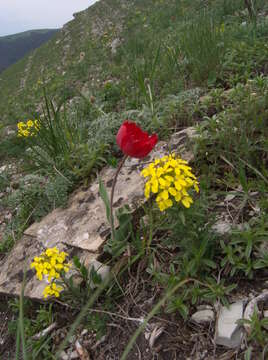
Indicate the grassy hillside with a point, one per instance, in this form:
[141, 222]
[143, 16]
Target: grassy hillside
[14, 47]
[145, 35]
[167, 65]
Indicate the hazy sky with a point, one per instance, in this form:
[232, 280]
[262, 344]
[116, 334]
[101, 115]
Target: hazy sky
[21, 15]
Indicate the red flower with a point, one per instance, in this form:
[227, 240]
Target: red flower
[133, 141]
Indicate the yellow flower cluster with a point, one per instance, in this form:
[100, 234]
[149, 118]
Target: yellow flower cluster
[170, 177]
[28, 128]
[52, 289]
[51, 263]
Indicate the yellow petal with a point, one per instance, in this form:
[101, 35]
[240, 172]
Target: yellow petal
[162, 182]
[178, 185]
[187, 201]
[172, 191]
[168, 203]
[164, 195]
[145, 172]
[162, 206]
[154, 186]
[178, 197]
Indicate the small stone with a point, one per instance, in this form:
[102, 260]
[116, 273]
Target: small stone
[10, 132]
[3, 168]
[228, 332]
[84, 332]
[222, 227]
[71, 340]
[265, 315]
[204, 307]
[8, 216]
[74, 355]
[114, 45]
[63, 356]
[203, 316]
[229, 197]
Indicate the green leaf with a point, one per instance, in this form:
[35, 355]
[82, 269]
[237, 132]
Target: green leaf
[95, 277]
[243, 178]
[210, 263]
[84, 272]
[76, 262]
[248, 248]
[183, 310]
[105, 198]
[125, 220]
[248, 353]
[182, 218]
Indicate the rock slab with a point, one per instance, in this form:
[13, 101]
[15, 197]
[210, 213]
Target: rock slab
[228, 332]
[81, 228]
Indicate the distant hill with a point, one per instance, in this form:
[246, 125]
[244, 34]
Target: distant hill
[14, 47]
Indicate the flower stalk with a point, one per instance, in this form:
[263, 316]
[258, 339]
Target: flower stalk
[112, 194]
[134, 143]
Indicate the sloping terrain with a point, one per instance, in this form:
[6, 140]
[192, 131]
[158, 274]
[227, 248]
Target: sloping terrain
[14, 47]
[186, 272]
[73, 57]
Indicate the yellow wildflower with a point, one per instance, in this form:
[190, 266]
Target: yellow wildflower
[28, 128]
[170, 177]
[52, 290]
[51, 262]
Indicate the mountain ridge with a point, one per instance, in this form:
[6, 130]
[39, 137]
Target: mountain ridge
[58, 61]
[16, 46]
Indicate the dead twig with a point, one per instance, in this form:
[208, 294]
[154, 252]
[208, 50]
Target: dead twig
[45, 332]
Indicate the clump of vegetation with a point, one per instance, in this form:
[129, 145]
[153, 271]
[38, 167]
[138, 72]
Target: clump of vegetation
[177, 64]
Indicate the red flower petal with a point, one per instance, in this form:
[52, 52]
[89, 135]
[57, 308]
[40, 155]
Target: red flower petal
[133, 141]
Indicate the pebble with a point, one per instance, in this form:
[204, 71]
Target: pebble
[229, 197]
[204, 307]
[63, 356]
[72, 339]
[203, 316]
[265, 315]
[74, 355]
[222, 227]
[84, 332]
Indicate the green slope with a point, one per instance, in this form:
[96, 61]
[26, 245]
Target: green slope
[137, 26]
[14, 47]
[81, 55]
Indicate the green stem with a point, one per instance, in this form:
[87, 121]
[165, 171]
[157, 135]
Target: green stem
[112, 194]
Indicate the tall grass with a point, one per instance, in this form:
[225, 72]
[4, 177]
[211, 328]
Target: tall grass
[61, 144]
[202, 44]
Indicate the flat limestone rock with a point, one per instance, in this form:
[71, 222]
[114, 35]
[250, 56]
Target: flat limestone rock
[19, 260]
[81, 228]
[228, 332]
